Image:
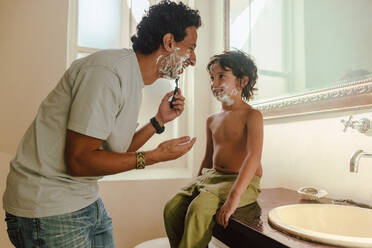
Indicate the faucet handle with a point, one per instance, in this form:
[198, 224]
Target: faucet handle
[347, 123]
[363, 125]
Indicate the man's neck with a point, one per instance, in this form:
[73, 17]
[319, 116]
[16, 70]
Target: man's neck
[148, 66]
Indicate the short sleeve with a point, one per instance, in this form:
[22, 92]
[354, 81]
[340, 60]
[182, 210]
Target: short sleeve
[95, 102]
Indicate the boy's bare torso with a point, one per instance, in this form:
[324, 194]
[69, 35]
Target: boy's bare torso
[229, 134]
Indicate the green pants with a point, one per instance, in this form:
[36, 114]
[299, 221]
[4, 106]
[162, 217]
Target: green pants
[188, 216]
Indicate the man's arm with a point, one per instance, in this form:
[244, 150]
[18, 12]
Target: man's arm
[165, 114]
[84, 157]
[208, 156]
[248, 169]
[142, 136]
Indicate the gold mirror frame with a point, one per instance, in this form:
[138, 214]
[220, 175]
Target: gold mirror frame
[347, 95]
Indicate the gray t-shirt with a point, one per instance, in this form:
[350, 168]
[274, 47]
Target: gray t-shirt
[98, 96]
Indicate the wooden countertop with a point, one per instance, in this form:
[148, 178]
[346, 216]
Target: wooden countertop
[249, 226]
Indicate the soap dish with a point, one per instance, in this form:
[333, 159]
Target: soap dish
[311, 193]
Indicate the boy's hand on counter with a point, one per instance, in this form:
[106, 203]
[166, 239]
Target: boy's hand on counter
[227, 209]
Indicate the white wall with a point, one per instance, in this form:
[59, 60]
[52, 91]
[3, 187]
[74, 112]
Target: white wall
[33, 57]
[314, 151]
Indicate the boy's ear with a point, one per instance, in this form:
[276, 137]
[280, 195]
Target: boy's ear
[169, 42]
[244, 81]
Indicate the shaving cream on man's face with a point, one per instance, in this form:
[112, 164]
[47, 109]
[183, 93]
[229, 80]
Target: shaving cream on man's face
[172, 64]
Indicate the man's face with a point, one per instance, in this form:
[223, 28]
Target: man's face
[183, 55]
[187, 46]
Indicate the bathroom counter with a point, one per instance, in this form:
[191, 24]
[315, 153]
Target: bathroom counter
[249, 226]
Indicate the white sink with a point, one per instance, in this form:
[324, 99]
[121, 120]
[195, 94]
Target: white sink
[326, 223]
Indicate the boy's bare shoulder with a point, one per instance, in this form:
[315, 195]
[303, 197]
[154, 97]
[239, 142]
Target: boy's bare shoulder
[252, 114]
[212, 116]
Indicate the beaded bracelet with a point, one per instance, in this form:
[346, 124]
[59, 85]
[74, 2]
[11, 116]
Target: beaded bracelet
[140, 160]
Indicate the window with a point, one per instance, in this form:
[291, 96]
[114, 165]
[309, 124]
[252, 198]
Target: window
[259, 27]
[107, 24]
[102, 24]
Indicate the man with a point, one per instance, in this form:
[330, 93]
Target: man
[86, 128]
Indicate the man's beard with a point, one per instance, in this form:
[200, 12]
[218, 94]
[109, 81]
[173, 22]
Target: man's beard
[172, 65]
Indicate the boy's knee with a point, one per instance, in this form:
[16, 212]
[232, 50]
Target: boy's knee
[167, 209]
[172, 206]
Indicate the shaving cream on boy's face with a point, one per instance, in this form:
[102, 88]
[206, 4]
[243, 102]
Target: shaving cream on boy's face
[173, 64]
[221, 93]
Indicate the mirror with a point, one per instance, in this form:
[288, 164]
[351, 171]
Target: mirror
[313, 55]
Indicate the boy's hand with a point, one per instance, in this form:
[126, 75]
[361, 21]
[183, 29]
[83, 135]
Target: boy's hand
[165, 112]
[172, 149]
[227, 209]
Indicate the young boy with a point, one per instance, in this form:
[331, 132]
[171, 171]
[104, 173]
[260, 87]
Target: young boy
[229, 175]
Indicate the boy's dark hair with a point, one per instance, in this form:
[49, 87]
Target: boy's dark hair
[241, 64]
[160, 19]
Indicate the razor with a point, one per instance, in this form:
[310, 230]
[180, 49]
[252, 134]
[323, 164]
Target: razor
[174, 92]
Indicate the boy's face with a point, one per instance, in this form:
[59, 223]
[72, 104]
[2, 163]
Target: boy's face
[224, 84]
[182, 56]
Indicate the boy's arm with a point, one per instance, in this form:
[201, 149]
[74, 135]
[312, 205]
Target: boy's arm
[208, 156]
[248, 169]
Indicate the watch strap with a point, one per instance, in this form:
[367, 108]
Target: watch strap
[159, 129]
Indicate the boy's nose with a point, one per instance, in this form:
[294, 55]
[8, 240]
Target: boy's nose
[214, 83]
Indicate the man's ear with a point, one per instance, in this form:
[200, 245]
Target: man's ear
[168, 42]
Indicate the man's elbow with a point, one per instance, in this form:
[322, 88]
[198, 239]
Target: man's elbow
[73, 167]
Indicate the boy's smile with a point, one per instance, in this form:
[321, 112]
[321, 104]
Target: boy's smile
[218, 91]
[223, 84]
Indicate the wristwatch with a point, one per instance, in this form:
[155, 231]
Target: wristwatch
[159, 129]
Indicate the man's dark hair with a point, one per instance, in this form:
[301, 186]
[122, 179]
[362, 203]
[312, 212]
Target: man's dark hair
[160, 19]
[241, 64]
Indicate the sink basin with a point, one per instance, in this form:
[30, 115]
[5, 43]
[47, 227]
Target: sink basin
[339, 225]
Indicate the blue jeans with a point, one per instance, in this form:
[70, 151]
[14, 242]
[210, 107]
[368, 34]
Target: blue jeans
[88, 227]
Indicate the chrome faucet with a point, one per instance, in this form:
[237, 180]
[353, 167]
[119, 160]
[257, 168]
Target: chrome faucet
[354, 160]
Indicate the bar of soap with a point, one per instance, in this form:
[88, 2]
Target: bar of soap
[310, 190]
